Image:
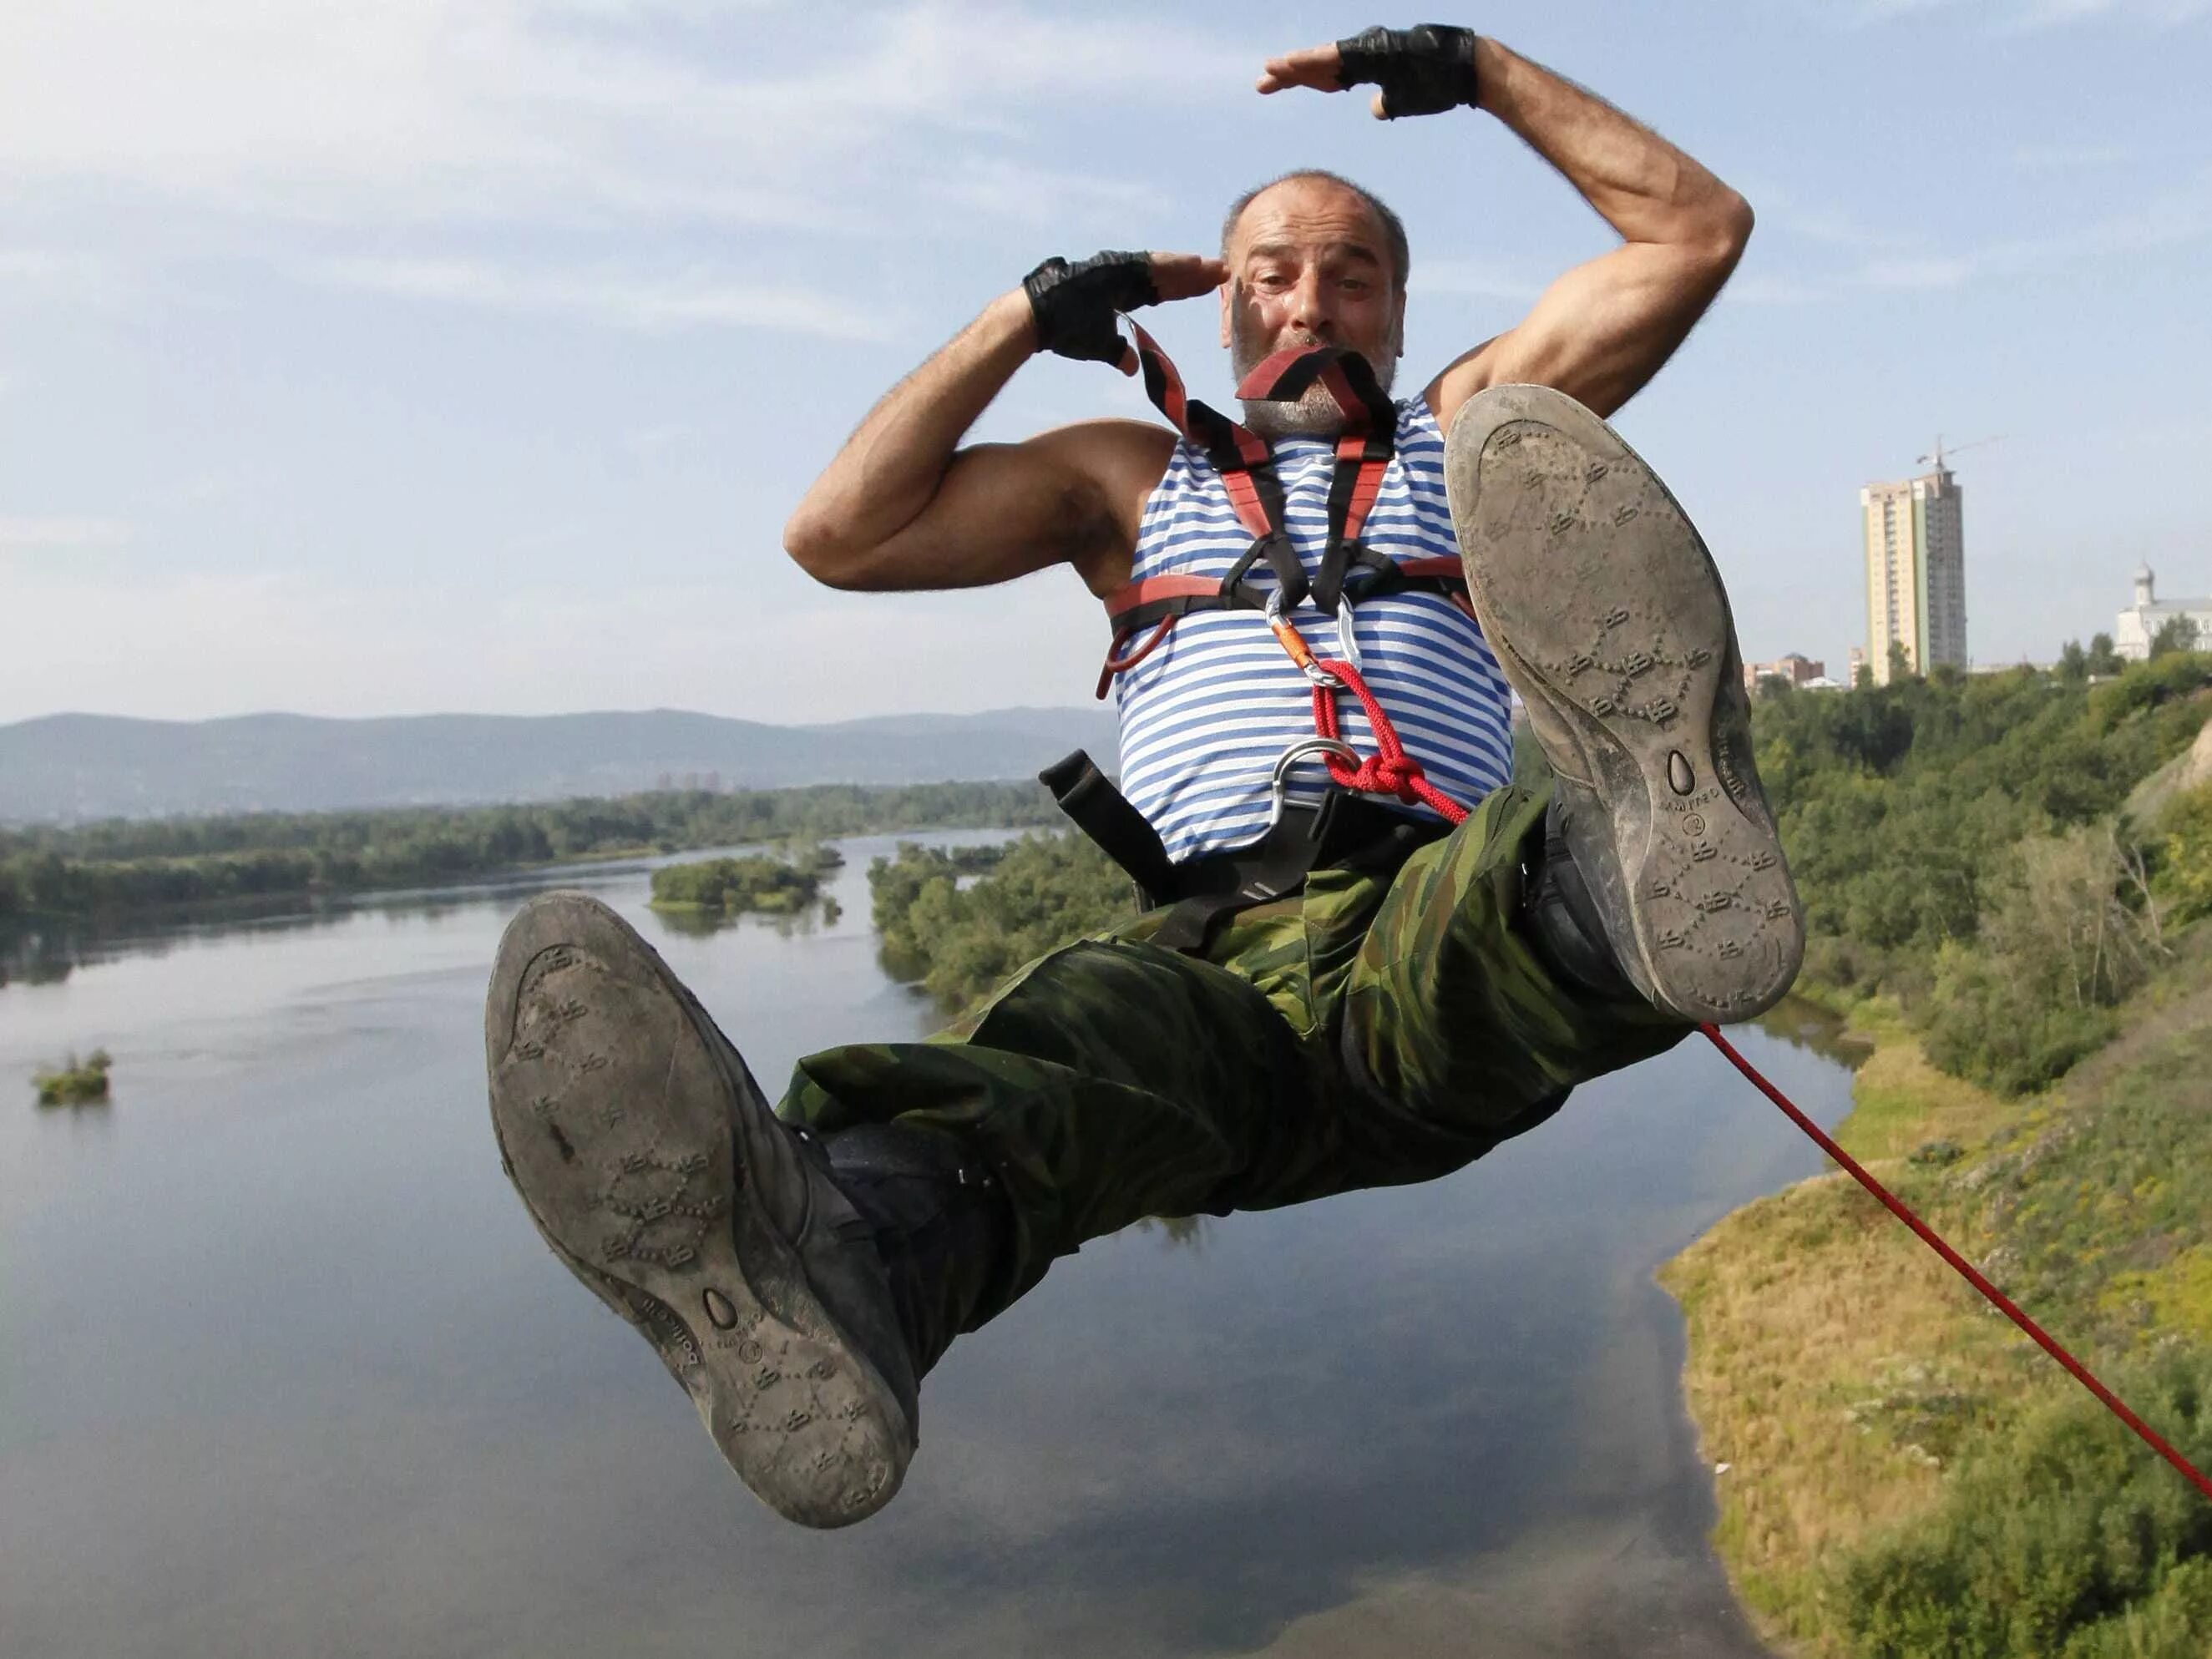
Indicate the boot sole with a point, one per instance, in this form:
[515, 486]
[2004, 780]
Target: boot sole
[632, 1173]
[1608, 615]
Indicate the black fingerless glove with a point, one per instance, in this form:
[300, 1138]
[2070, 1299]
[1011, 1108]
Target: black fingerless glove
[1074, 305]
[1424, 71]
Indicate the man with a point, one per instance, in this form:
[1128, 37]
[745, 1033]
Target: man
[1411, 995]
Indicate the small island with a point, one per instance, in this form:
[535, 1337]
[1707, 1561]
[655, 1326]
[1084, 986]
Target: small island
[759, 883]
[75, 1083]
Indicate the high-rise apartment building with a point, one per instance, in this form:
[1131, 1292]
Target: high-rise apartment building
[1916, 564]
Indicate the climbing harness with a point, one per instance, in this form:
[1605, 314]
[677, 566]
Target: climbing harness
[1345, 829]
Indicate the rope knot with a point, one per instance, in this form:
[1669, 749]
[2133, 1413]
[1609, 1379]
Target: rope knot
[1395, 774]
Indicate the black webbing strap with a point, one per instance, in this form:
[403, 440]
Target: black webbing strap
[1345, 831]
[1104, 813]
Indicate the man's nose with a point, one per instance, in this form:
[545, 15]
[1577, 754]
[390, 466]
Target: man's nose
[1311, 308]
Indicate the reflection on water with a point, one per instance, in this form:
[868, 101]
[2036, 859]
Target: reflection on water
[286, 1371]
[785, 924]
[1806, 1025]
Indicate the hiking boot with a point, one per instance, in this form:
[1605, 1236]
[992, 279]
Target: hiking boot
[1607, 617]
[654, 1168]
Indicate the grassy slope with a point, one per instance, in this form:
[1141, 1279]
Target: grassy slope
[1841, 1370]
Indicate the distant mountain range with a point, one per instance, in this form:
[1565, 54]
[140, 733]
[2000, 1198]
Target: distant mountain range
[68, 768]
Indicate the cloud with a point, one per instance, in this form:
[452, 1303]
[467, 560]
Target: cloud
[2017, 16]
[26, 535]
[47, 270]
[2155, 14]
[1914, 273]
[1477, 279]
[651, 303]
[2041, 158]
[1016, 189]
[542, 111]
[2173, 217]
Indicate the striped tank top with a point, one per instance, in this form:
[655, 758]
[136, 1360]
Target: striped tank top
[1206, 716]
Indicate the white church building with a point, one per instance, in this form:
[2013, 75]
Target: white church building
[2132, 633]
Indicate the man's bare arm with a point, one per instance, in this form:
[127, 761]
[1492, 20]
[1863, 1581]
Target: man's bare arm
[1601, 330]
[901, 505]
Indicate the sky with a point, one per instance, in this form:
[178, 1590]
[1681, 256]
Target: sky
[469, 355]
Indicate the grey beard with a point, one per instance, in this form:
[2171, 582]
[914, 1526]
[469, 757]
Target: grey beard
[1315, 413]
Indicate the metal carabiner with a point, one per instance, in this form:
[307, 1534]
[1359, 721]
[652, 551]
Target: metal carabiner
[1347, 634]
[1279, 785]
[1287, 636]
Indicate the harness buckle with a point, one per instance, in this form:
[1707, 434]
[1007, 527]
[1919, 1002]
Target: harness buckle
[1279, 785]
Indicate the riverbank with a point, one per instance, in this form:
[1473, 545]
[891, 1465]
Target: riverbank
[1898, 1471]
[163, 871]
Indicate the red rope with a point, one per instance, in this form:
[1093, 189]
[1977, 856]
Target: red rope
[1388, 771]
[1928, 1236]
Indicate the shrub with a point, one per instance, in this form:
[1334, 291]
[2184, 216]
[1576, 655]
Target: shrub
[2066, 1538]
[75, 1083]
[2184, 849]
[1985, 1021]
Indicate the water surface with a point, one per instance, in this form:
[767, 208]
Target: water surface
[284, 1370]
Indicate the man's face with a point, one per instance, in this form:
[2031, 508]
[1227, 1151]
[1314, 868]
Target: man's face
[1309, 264]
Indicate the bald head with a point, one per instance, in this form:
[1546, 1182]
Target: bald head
[1315, 186]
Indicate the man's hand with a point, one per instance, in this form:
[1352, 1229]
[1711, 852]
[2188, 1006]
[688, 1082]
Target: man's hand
[1421, 72]
[1074, 306]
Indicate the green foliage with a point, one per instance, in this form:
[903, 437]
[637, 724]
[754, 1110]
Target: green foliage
[2177, 633]
[2104, 659]
[1960, 811]
[1982, 1021]
[124, 866]
[2064, 1539]
[732, 886]
[75, 1083]
[2058, 952]
[959, 940]
[2184, 874]
[2059, 1532]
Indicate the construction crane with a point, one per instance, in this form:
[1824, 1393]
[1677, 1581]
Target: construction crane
[1941, 452]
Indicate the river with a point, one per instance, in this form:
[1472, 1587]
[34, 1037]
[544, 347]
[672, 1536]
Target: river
[284, 1370]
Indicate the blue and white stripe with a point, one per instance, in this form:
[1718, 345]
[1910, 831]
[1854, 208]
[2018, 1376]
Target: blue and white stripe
[1205, 717]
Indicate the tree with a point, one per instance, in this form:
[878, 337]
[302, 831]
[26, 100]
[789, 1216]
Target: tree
[2103, 659]
[1862, 676]
[1900, 666]
[2177, 633]
[2074, 663]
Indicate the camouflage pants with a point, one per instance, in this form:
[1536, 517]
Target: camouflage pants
[1371, 1031]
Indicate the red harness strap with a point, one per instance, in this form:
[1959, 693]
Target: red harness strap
[1247, 468]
